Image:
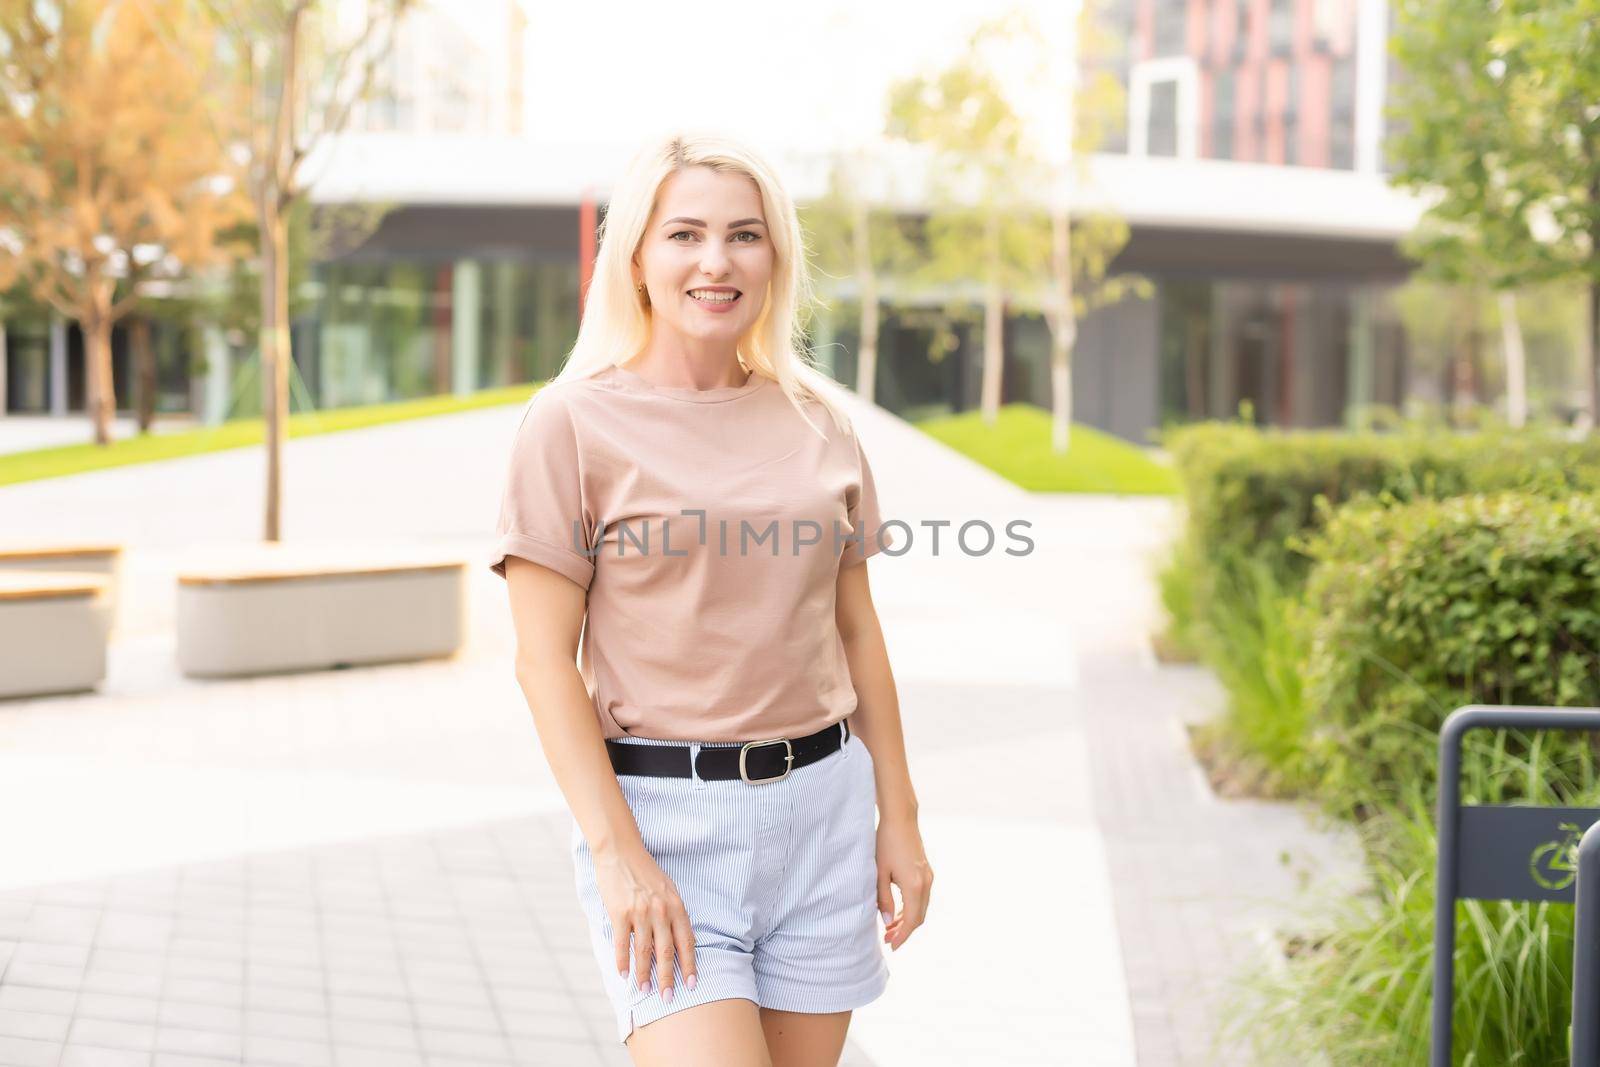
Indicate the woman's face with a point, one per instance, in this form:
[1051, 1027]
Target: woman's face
[706, 256]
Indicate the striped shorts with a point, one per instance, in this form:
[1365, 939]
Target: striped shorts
[779, 879]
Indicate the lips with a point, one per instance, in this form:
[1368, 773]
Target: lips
[715, 298]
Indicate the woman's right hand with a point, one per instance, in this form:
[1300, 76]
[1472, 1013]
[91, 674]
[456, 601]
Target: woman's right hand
[642, 901]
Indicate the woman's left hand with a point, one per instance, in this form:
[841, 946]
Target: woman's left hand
[901, 860]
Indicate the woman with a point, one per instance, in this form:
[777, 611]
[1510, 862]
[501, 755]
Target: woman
[682, 495]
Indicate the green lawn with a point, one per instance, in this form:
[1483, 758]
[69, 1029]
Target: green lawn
[76, 459]
[1018, 448]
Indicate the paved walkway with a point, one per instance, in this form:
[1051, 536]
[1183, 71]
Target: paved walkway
[24, 433]
[370, 866]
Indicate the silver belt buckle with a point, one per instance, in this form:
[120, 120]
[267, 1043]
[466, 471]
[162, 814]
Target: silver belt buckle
[788, 761]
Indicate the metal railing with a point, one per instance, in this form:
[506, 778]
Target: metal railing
[1513, 852]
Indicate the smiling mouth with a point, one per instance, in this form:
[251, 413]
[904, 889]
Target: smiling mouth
[714, 299]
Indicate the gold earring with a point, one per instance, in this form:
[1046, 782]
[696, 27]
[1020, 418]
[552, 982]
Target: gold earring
[639, 288]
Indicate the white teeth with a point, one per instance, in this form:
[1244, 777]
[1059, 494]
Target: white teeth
[713, 298]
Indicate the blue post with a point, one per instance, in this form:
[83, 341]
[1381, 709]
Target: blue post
[1444, 905]
[1586, 955]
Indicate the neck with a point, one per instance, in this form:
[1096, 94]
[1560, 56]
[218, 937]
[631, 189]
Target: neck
[689, 364]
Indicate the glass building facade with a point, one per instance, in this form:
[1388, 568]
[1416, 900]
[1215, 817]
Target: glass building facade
[437, 300]
[1310, 331]
[1299, 353]
[398, 329]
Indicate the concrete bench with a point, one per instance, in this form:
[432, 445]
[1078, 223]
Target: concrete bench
[77, 558]
[53, 631]
[266, 608]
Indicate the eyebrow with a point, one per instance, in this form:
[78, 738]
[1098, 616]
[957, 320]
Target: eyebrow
[701, 222]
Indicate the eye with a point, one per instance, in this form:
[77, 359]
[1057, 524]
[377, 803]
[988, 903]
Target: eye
[680, 233]
[754, 237]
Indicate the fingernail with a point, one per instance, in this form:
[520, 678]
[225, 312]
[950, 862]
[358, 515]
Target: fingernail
[666, 995]
[691, 983]
[887, 918]
[644, 986]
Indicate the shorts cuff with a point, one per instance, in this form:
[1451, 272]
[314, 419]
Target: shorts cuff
[787, 997]
[652, 1007]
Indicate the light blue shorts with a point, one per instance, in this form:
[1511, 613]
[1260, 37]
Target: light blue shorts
[780, 881]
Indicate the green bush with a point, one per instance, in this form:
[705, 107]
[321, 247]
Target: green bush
[1253, 495]
[1250, 491]
[1256, 641]
[1351, 591]
[1419, 609]
[1175, 586]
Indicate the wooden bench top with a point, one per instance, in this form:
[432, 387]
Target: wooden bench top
[11, 553]
[267, 562]
[49, 585]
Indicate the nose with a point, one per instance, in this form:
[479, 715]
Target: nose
[714, 260]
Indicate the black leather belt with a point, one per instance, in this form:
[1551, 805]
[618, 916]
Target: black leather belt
[756, 762]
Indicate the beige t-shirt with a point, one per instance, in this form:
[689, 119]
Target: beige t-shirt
[713, 627]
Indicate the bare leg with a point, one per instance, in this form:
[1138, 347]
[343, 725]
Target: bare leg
[718, 1033]
[805, 1039]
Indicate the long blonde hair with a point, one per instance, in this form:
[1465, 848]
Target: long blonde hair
[616, 319]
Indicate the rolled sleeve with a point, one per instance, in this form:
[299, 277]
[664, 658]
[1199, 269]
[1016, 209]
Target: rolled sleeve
[544, 515]
[864, 515]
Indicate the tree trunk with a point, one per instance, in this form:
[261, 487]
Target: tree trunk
[274, 185]
[1516, 361]
[993, 323]
[275, 352]
[144, 366]
[867, 350]
[101, 397]
[1463, 386]
[1063, 333]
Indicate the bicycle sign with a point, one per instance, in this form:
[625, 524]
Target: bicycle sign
[1512, 852]
[1554, 864]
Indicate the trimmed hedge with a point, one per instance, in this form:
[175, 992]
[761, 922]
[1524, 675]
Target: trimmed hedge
[1419, 609]
[1249, 491]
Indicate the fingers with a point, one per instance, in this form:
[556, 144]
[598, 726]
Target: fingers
[643, 951]
[619, 945]
[885, 897]
[683, 931]
[915, 891]
[662, 939]
[661, 934]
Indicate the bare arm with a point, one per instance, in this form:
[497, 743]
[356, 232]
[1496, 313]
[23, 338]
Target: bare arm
[877, 715]
[547, 610]
[876, 721]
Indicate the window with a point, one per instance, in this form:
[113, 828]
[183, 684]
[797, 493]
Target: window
[1171, 31]
[1280, 27]
[1222, 94]
[1163, 119]
[1342, 111]
[1291, 118]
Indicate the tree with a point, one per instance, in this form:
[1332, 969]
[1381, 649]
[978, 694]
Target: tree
[304, 70]
[1500, 123]
[1003, 190]
[109, 173]
[1068, 70]
[851, 235]
[961, 113]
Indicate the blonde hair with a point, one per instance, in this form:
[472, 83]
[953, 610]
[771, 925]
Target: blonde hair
[616, 319]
